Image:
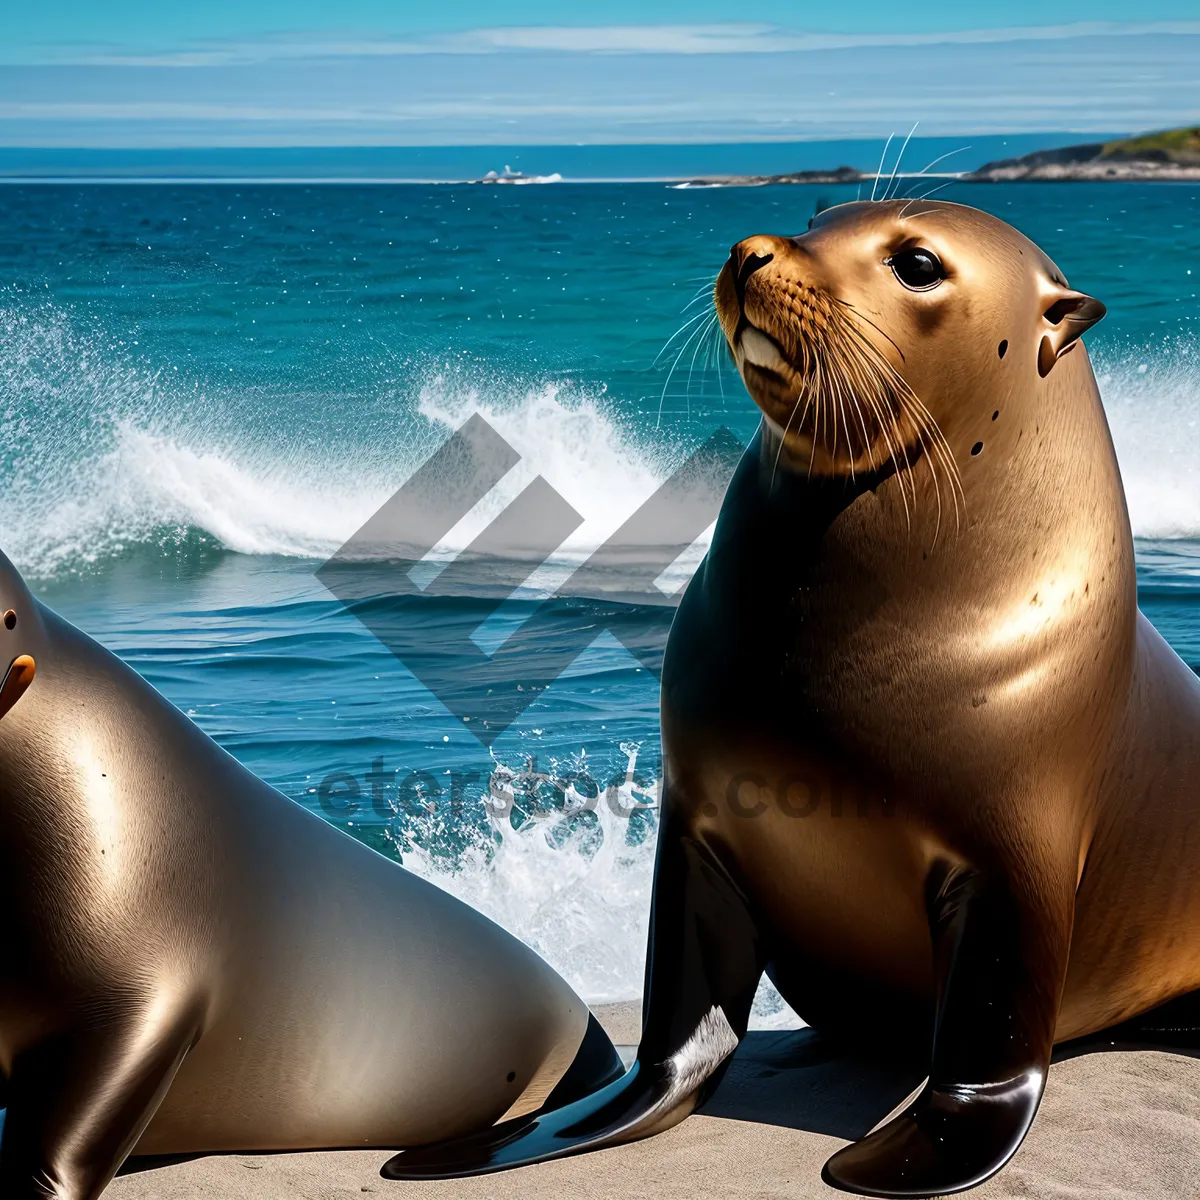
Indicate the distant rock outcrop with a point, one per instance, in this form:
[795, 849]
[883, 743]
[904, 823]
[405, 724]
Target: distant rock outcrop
[1171, 155]
[838, 175]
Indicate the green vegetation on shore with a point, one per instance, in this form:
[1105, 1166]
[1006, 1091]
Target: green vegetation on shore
[1171, 145]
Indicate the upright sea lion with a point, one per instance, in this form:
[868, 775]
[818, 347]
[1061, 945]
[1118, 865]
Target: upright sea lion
[925, 762]
[192, 962]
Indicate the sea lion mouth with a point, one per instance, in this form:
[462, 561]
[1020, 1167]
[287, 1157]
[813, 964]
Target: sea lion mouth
[774, 382]
[763, 353]
[17, 679]
[829, 393]
[811, 376]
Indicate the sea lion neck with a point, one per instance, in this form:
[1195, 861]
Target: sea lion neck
[1043, 536]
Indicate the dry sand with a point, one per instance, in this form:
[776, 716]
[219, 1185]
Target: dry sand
[1117, 1123]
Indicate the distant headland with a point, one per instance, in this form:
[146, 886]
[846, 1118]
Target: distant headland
[1171, 155]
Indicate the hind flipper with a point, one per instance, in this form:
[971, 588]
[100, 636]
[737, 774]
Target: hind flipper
[596, 1064]
[704, 966]
[1000, 951]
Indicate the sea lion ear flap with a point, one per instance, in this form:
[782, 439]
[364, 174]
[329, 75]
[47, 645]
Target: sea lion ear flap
[1066, 315]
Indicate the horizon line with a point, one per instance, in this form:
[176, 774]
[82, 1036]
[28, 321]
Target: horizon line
[556, 144]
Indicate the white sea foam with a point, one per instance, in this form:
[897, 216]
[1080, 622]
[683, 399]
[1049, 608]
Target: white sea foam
[508, 175]
[1152, 398]
[583, 903]
[99, 453]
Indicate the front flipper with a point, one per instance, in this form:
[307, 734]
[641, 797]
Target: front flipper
[704, 966]
[79, 1102]
[1000, 953]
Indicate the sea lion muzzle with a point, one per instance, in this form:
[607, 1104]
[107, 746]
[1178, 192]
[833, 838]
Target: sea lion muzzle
[17, 679]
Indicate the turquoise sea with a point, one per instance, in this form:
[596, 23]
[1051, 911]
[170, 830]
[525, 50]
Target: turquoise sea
[206, 388]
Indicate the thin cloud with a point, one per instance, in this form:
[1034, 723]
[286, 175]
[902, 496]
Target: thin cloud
[215, 111]
[728, 38]
[547, 84]
[767, 39]
[625, 39]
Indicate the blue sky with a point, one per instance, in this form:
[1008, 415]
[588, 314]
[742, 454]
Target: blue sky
[33, 30]
[363, 72]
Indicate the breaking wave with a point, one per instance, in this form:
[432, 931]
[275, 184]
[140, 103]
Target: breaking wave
[100, 455]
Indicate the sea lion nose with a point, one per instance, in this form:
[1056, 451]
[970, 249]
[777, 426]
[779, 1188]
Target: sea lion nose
[752, 253]
[749, 256]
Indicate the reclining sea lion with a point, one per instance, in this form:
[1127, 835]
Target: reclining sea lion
[192, 962]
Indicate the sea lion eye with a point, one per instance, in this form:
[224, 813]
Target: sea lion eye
[918, 269]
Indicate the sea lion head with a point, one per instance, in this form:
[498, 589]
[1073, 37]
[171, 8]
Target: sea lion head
[889, 333]
[20, 626]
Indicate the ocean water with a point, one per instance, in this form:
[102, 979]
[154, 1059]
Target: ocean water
[577, 162]
[206, 389]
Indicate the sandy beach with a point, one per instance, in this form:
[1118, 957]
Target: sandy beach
[1114, 1123]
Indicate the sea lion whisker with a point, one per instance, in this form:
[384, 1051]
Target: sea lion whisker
[816, 407]
[703, 295]
[938, 450]
[703, 292]
[882, 159]
[806, 393]
[876, 384]
[925, 196]
[865, 390]
[719, 344]
[851, 378]
[880, 422]
[843, 383]
[719, 349]
[838, 396]
[883, 420]
[868, 443]
[715, 338]
[930, 462]
[706, 363]
[691, 369]
[826, 398]
[928, 421]
[779, 448]
[941, 448]
[667, 383]
[829, 400]
[884, 391]
[940, 158]
[686, 325]
[939, 439]
[899, 160]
